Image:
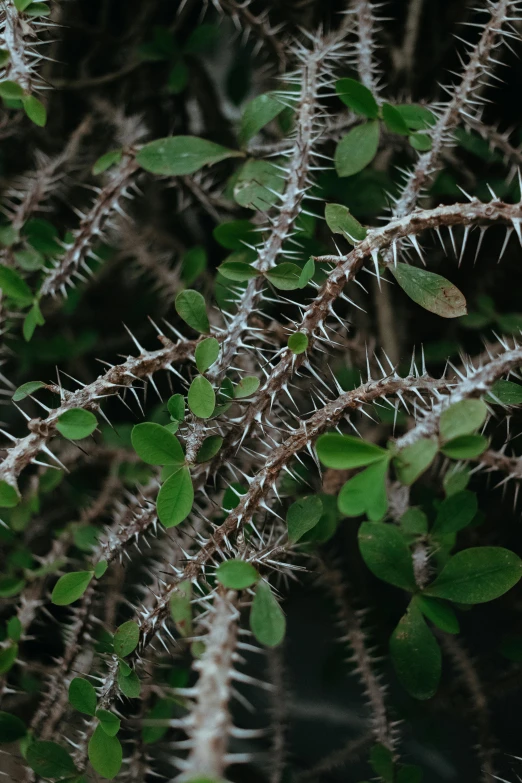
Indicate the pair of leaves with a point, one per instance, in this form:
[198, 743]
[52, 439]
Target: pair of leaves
[473, 576]
[82, 696]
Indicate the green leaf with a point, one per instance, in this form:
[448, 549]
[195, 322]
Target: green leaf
[21, 5]
[511, 648]
[421, 142]
[298, 342]
[235, 234]
[267, 621]
[14, 287]
[201, 397]
[181, 607]
[11, 728]
[82, 696]
[207, 351]
[246, 387]
[340, 221]
[239, 271]
[463, 418]
[236, 574]
[416, 117]
[394, 120]
[381, 760]
[258, 184]
[109, 722]
[430, 291]
[365, 493]
[35, 110]
[409, 774]
[178, 77]
[357, 97]
[106, 161]
[129, 685]
[5, 56]
[345, 451]
[456, 512]
[307, 272]
[456, 479]
[30, 260]
[176, 407]
[440, 614]
[414, 522]
[386, 554]
[357, 149]
[14, 629]
[412, 461]
[11, 90]
[10, 586]
[105, 753]
[100, 568]
[33, 319]
[8, 657]
[302, 516]
[162, 710]
[416, 655]
[190, 306]
[193, 264]
[258, 113]
[126, 638]
[155, 445]
[9, 496]
[38, 9]
[465, 446]
[70, 587]
[284, 276]
[50, 760]
[27, 389]
[505, 393]
[76, 423]
[175, 498]
[177, 156]
[477, 575]
[209, 448]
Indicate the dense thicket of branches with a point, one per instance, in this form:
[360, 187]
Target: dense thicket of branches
[260, 344]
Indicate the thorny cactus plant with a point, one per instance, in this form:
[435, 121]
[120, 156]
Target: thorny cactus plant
[281, 546]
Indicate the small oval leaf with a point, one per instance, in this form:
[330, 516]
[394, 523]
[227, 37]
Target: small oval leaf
[430, 291]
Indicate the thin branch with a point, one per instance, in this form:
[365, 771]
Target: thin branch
[476, 384]
[25, 450]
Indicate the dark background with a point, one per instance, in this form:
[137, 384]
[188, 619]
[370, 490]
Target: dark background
[325, 706]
